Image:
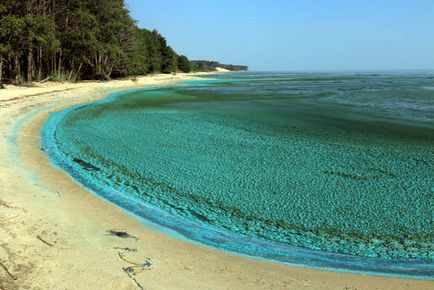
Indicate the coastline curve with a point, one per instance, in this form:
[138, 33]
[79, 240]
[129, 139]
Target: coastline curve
[197, 231]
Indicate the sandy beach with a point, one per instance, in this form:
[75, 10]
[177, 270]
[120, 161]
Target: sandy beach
[54, 234]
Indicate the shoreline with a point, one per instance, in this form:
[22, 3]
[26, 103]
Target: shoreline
[75, 224]
[195, 232]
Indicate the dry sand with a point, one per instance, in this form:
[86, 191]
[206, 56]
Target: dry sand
[53, 233]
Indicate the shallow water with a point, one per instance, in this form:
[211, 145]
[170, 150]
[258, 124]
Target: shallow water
[341, 163]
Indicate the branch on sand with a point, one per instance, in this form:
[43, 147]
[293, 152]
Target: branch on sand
[132, 263]
[44, 241]
[7, 271]
[136, 268]
[146, 265]
[126, 249]
[45, 80]
[130, 275]
[3, 203]
[6, 205]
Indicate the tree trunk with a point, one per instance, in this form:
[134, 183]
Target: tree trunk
[110, 70]
[53, 63]
[60, 65]
[71, 67]
[1, 69]
[78, 71]
[17, 68]
[30, 64]
[39, 77]
[10, 71]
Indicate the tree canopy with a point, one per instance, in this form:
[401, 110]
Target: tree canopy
[208, 66]
[78, 39]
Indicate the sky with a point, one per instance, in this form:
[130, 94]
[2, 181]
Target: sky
[297, 35]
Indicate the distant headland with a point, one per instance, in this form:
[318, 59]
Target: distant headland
[207, 66]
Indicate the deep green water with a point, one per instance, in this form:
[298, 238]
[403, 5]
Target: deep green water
[342, 163]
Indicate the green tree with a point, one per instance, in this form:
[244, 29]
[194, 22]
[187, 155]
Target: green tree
[11, 40]
[168, 56]
[79, 39]
[139, 57]
[75, 39]
[184, 64]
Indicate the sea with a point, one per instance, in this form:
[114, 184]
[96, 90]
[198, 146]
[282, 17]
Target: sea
[326, 170]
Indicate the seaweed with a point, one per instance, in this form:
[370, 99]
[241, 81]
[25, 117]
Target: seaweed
[86, 165]
[121, 234]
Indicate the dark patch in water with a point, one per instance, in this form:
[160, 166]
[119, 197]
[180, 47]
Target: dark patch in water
[345, 175]
[86, 165]
[201, 217]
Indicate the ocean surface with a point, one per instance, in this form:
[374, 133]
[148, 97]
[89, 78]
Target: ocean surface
[334, 170]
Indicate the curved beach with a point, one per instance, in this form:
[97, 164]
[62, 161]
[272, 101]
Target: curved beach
[54, 233]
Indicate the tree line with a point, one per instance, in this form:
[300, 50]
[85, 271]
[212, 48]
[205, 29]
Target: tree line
[208, 66]
[78, 39]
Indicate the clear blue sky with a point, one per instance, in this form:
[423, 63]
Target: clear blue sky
[297, 34]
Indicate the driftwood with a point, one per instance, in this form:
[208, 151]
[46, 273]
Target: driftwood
[132, 263]
[136, 268]
[44, 241]
[146, 265]
[125, 249]
[130, 275]
[4, 204]
[7, 271]
[45, 80]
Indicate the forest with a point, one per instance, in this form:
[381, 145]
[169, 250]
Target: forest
[207, 66]
[68, 40]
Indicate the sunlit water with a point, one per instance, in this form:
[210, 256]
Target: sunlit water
[335, 163]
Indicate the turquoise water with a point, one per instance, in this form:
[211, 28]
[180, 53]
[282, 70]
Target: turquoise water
[328, 166]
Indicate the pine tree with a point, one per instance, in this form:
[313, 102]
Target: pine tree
[76, 39]
[168, 56]
[184, 64]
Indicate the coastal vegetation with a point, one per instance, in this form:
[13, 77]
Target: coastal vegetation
[79, 39]
[205, 65]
